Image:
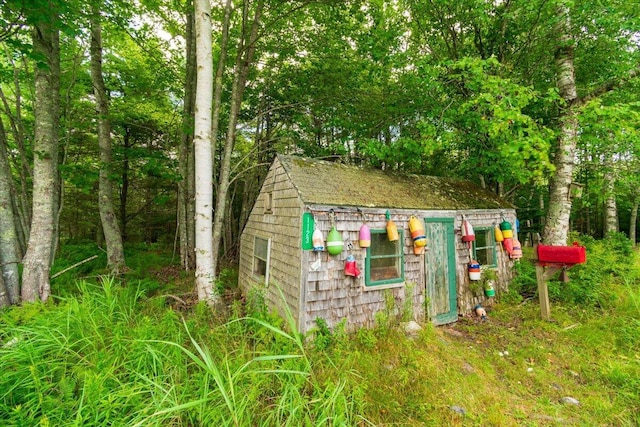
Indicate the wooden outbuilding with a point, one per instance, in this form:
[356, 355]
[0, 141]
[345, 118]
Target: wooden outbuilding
[300, 195]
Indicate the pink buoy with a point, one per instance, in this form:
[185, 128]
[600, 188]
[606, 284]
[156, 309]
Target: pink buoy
[364, 236]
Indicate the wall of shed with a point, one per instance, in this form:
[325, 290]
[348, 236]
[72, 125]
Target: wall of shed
[480, 219]
[283, 226]
[328, 294]
[332, 296]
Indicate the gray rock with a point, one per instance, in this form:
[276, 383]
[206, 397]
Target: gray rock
[570, 401]
[466, 367]
[412, 328]
[458, 410]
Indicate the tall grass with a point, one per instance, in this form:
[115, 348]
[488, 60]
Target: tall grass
[104, 357]
[110, 354]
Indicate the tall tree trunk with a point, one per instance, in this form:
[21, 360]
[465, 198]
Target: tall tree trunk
[556, 227]
[205, 273]
[611, 207]
[18, 131]
[217, 95]
[243, 64]
[124, 190]
[633, 220]
[110, 228]
[35, 278]
[185, 186]
[22, 201]
[9, 243]
[4, 294]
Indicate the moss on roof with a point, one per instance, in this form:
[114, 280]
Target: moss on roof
[327, 183]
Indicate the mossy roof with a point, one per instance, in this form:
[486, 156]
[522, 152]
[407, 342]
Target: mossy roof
[328, 183]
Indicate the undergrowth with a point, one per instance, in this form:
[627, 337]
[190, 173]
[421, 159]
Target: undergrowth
[110, 352]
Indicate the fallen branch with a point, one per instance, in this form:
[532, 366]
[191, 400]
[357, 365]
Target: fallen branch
[180, 300]
[74, 266]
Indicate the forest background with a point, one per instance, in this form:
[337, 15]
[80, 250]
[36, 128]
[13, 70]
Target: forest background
[124, 125]
[129, 122]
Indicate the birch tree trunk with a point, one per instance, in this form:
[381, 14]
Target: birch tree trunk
[110, 228]
[185, 186]
[556, 227]
[610, 205]
[35, 278]
[205, 273]
[243, 64]
[9, 243]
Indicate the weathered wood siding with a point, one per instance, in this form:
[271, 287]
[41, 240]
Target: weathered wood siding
[327, 293]
[480, 219]
[282, 224]
[332, 296]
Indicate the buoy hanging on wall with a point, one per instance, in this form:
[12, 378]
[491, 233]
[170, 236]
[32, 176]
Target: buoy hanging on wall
[498, 234]
[508, 245]
[417, 232]
[364, 237]
[507, 234]
[474, 270]
[392, 230]
[516, 253]
[468, 235]
[335, 244]
[507, 231]
[318, 240]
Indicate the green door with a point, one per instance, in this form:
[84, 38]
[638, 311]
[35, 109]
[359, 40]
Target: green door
[441, 271]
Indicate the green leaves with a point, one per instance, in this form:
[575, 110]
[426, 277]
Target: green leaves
[489, 119]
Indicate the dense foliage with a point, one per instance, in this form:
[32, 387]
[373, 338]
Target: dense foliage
[466, 88]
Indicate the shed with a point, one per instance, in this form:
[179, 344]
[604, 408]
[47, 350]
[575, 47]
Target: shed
[433, 284]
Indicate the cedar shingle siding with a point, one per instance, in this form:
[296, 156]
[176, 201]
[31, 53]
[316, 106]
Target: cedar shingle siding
[296, 185]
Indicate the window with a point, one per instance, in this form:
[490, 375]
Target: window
[385, 260]
[268, 202]
[261, 258]
[484, 247]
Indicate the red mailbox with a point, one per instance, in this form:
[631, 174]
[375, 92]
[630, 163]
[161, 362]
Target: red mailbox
[567, 255]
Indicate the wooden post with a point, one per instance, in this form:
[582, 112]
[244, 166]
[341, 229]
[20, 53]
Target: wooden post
[542, 275]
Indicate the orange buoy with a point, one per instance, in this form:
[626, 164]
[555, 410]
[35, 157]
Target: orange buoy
[516, 253]
[417, 232]
[508, 245]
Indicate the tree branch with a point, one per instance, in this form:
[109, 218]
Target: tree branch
[609, 86]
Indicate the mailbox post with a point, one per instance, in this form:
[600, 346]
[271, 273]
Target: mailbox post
[552, 259]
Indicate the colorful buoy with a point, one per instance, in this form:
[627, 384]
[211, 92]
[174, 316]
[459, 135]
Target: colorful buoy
[335, 244]
[417, 232]
[364, 236]
[317, 240]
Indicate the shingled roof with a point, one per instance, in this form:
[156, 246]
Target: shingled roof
[328, 183]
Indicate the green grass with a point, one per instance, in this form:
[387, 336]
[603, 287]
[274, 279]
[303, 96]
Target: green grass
[120, 353]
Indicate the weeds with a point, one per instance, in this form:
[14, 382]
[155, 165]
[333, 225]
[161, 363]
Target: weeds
[106, 353]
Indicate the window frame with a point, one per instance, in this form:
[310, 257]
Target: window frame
[489, 246]
[255, 258]
[268, 202]
[398, 281]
